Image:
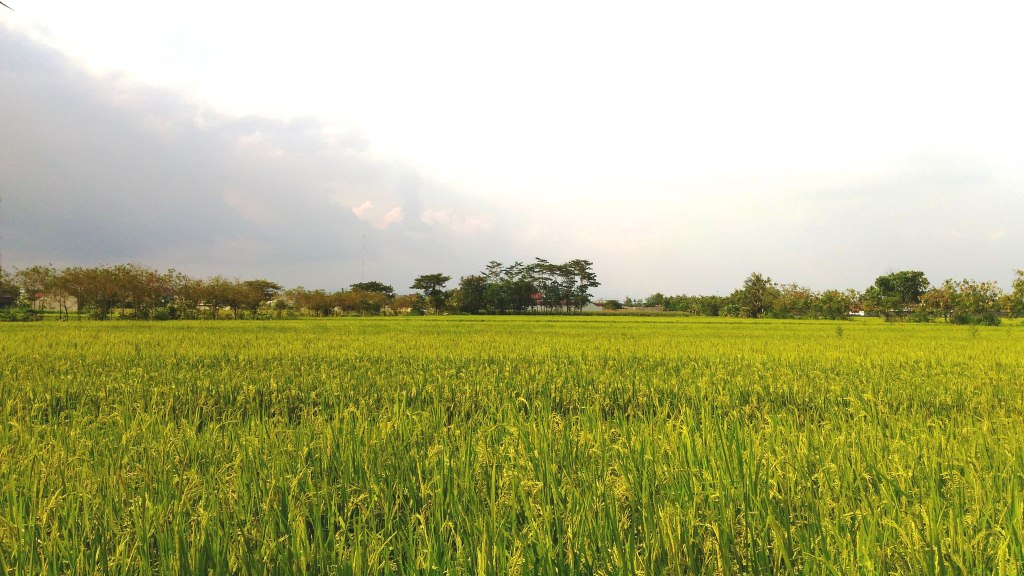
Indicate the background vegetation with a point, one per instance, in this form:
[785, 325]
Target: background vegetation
[899, 296]
[136, 292]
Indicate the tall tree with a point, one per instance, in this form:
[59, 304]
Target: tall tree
[252, 293]
[940, 300]
[975, 303]
[217, 293]
[583, 279]
[835, 305]
[896, 295]
[95, 289]
[563, 286]
[36, 281]
[1016, 297]
[756, 296]
[361, 301]
[519, 287]
[432, 287]
[374, 286]
[314, 302]
[473, 294]
[794, 301]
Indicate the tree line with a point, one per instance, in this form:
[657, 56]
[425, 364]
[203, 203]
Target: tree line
[899, 296]
[519, 287]
[137, 292]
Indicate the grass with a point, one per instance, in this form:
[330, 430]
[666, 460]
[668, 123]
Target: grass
[544, 445]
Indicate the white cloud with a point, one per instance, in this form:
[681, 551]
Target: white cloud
[393, 216]
[378, 218]
[363, 210]
[702, 140]
[470, 225]
[257, 142]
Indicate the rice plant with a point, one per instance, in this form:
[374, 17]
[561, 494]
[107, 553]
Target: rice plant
[508, 445]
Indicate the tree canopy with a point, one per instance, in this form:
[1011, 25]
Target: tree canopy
[432, 286]
[519, 287]
[132, 291]
[896, 294]
[374, 286]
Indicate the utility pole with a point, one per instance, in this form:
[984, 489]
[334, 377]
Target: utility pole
[362, 269]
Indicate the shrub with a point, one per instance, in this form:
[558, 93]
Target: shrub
[19, 314]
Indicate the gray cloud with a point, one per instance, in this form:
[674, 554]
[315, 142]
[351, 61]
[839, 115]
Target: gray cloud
[101, 170]
[950, 216]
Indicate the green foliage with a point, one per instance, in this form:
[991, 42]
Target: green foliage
[757, 296]
[164, 313]
[364, 302]
[19, 313]
[762, 297]
[520, 287]
[432, 287]
[895, 296]
[374, 286]
[656, 299]
[834, 305]
[253, 293]
[731, 310]
[964, 302]
[130, 291]
[472, 294]
[9, 291]
[1015, 300]
[696, 305]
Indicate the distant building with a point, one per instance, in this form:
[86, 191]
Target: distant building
[56, 302]
[8, 298]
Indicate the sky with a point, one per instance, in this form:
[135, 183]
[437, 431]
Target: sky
[679, 146]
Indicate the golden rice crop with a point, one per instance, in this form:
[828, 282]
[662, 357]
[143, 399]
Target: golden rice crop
[511, 446]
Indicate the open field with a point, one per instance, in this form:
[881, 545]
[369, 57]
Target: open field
[511, 445]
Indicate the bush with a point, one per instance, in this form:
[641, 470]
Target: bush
[986, 318]
[990, 319]
[163, 313]
[920, 316]
[20, 314]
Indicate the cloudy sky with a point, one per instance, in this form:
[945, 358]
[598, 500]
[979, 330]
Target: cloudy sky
[678, 146]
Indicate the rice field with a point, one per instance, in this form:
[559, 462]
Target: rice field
[511, 445]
